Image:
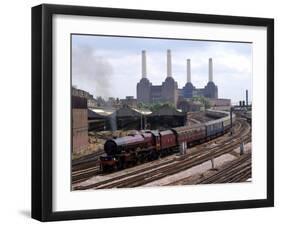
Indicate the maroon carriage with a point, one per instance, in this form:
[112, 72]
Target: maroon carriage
[190, 134]
[168, 139]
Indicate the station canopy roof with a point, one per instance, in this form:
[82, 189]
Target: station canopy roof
[127, 112]
[98, 112]
[143, 111]
[132, 112]
[167, 111]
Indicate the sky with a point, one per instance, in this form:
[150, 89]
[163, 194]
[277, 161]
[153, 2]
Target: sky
[110, 66]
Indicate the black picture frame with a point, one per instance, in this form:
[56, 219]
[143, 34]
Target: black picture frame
[42, 111]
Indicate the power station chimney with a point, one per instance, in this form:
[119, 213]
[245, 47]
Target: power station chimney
[143, 64]
[210, 70]
[246, 97]
[169, 63]
[188, 72]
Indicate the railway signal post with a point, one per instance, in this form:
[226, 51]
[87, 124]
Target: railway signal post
[213, 163]
[231, 112]
[242, 148]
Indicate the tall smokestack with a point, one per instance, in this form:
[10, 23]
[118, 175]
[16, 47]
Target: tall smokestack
[143, 64]
[246, 97]
[188, 72]
[169, 63]
[210, 70]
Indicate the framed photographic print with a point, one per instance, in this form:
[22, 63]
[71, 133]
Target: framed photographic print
[146, 112]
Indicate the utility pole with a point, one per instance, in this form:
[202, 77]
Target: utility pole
[242, 147]
[231, 112]
[213, 163]
[141, 122]
[247, 103]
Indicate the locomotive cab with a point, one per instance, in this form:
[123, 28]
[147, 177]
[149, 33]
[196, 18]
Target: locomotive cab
[157, 141]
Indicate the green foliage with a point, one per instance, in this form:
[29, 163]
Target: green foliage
[155, 106]
[204, 101]
[142, 105]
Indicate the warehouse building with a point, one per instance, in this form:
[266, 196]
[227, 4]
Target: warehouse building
[99, 119]
[129, 101]
[130, 118]
[166, 117]
[79, 124]
[91, 101]
[127, 118]
[220, 104]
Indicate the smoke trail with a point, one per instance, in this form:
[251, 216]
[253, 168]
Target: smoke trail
[91, 72]
[113, 122]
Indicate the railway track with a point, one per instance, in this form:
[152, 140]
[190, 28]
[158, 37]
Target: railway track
[85, 167]
[165, 168]
[88, 166]
[238, 170]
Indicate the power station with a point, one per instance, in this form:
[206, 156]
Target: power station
[169, 91]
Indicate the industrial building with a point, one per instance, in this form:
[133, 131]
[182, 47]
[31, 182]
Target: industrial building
[129, 101]
[209, 91]
[91, 101]
[169, 91]
[79, 124]
[220, 104]
[189, 106]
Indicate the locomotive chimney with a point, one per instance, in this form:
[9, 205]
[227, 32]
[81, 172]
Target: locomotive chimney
[210, 70]
[143, 64]
[188, 72]
[169, 63]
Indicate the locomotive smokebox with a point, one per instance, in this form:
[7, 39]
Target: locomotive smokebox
[110, 147]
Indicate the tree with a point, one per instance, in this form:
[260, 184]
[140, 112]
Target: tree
[155, 106]
[203, 100]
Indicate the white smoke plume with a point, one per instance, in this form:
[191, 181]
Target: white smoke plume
[92, 72]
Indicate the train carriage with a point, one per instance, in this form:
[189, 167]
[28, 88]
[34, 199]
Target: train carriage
[226, 124]
[217, 114]
[190, 134]
[168, 139]
[214, 128]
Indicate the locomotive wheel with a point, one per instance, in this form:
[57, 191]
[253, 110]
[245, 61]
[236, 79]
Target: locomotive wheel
[140, 159]
[157, 155]
[164, 153]
[120, 165]
[154, 155]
